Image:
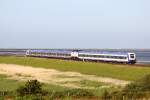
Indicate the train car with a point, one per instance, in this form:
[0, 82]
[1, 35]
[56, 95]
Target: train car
[49, 53]
[119, 57]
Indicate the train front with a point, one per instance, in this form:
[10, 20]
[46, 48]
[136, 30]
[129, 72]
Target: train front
[132, 58]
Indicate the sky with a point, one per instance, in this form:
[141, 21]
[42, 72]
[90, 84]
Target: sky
[113, 24]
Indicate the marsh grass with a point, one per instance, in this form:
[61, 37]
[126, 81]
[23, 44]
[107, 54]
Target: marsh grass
[8, 84]
[94, 84]
[123, 72]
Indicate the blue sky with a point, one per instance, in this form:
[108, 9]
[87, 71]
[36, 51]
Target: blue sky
[74, 24]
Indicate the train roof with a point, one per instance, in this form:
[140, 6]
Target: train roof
[53, 51]
[80, 51]
[104, 52]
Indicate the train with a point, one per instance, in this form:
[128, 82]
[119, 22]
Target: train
[83, 55]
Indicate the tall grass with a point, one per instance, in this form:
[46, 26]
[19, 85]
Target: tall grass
[124, 72]
[8, 84]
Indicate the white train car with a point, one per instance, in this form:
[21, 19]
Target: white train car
[120, 57]
[49, 53]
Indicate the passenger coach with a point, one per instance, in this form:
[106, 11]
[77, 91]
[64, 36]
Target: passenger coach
[49, 53]
[120, 57]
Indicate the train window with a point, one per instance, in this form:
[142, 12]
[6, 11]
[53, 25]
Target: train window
[107, 56]
[94, 56]
[112, 56]
[102, 56]
[98, 56]
[132, 55]
[67, 54]
[80, 55]
[117, 57]
[86, 55]
[124, 57]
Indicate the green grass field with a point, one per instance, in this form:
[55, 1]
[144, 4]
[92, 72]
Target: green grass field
[123, 72]
[12, 85]
[7, 84]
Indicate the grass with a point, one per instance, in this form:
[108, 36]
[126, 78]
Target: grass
[124, 72]
[94, 84]
[8, 84]
[11, 85]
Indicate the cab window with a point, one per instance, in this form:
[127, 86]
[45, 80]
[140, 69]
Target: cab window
[132, 55]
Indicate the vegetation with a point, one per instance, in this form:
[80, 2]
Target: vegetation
[124, 72]
[94, 84]
[31, 87]
[139, 89]
[16, 89]
[8, 84]
[33, 90]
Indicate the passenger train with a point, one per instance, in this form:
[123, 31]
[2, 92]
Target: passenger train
[117, 57]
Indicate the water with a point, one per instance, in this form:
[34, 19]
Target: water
[143, 56]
